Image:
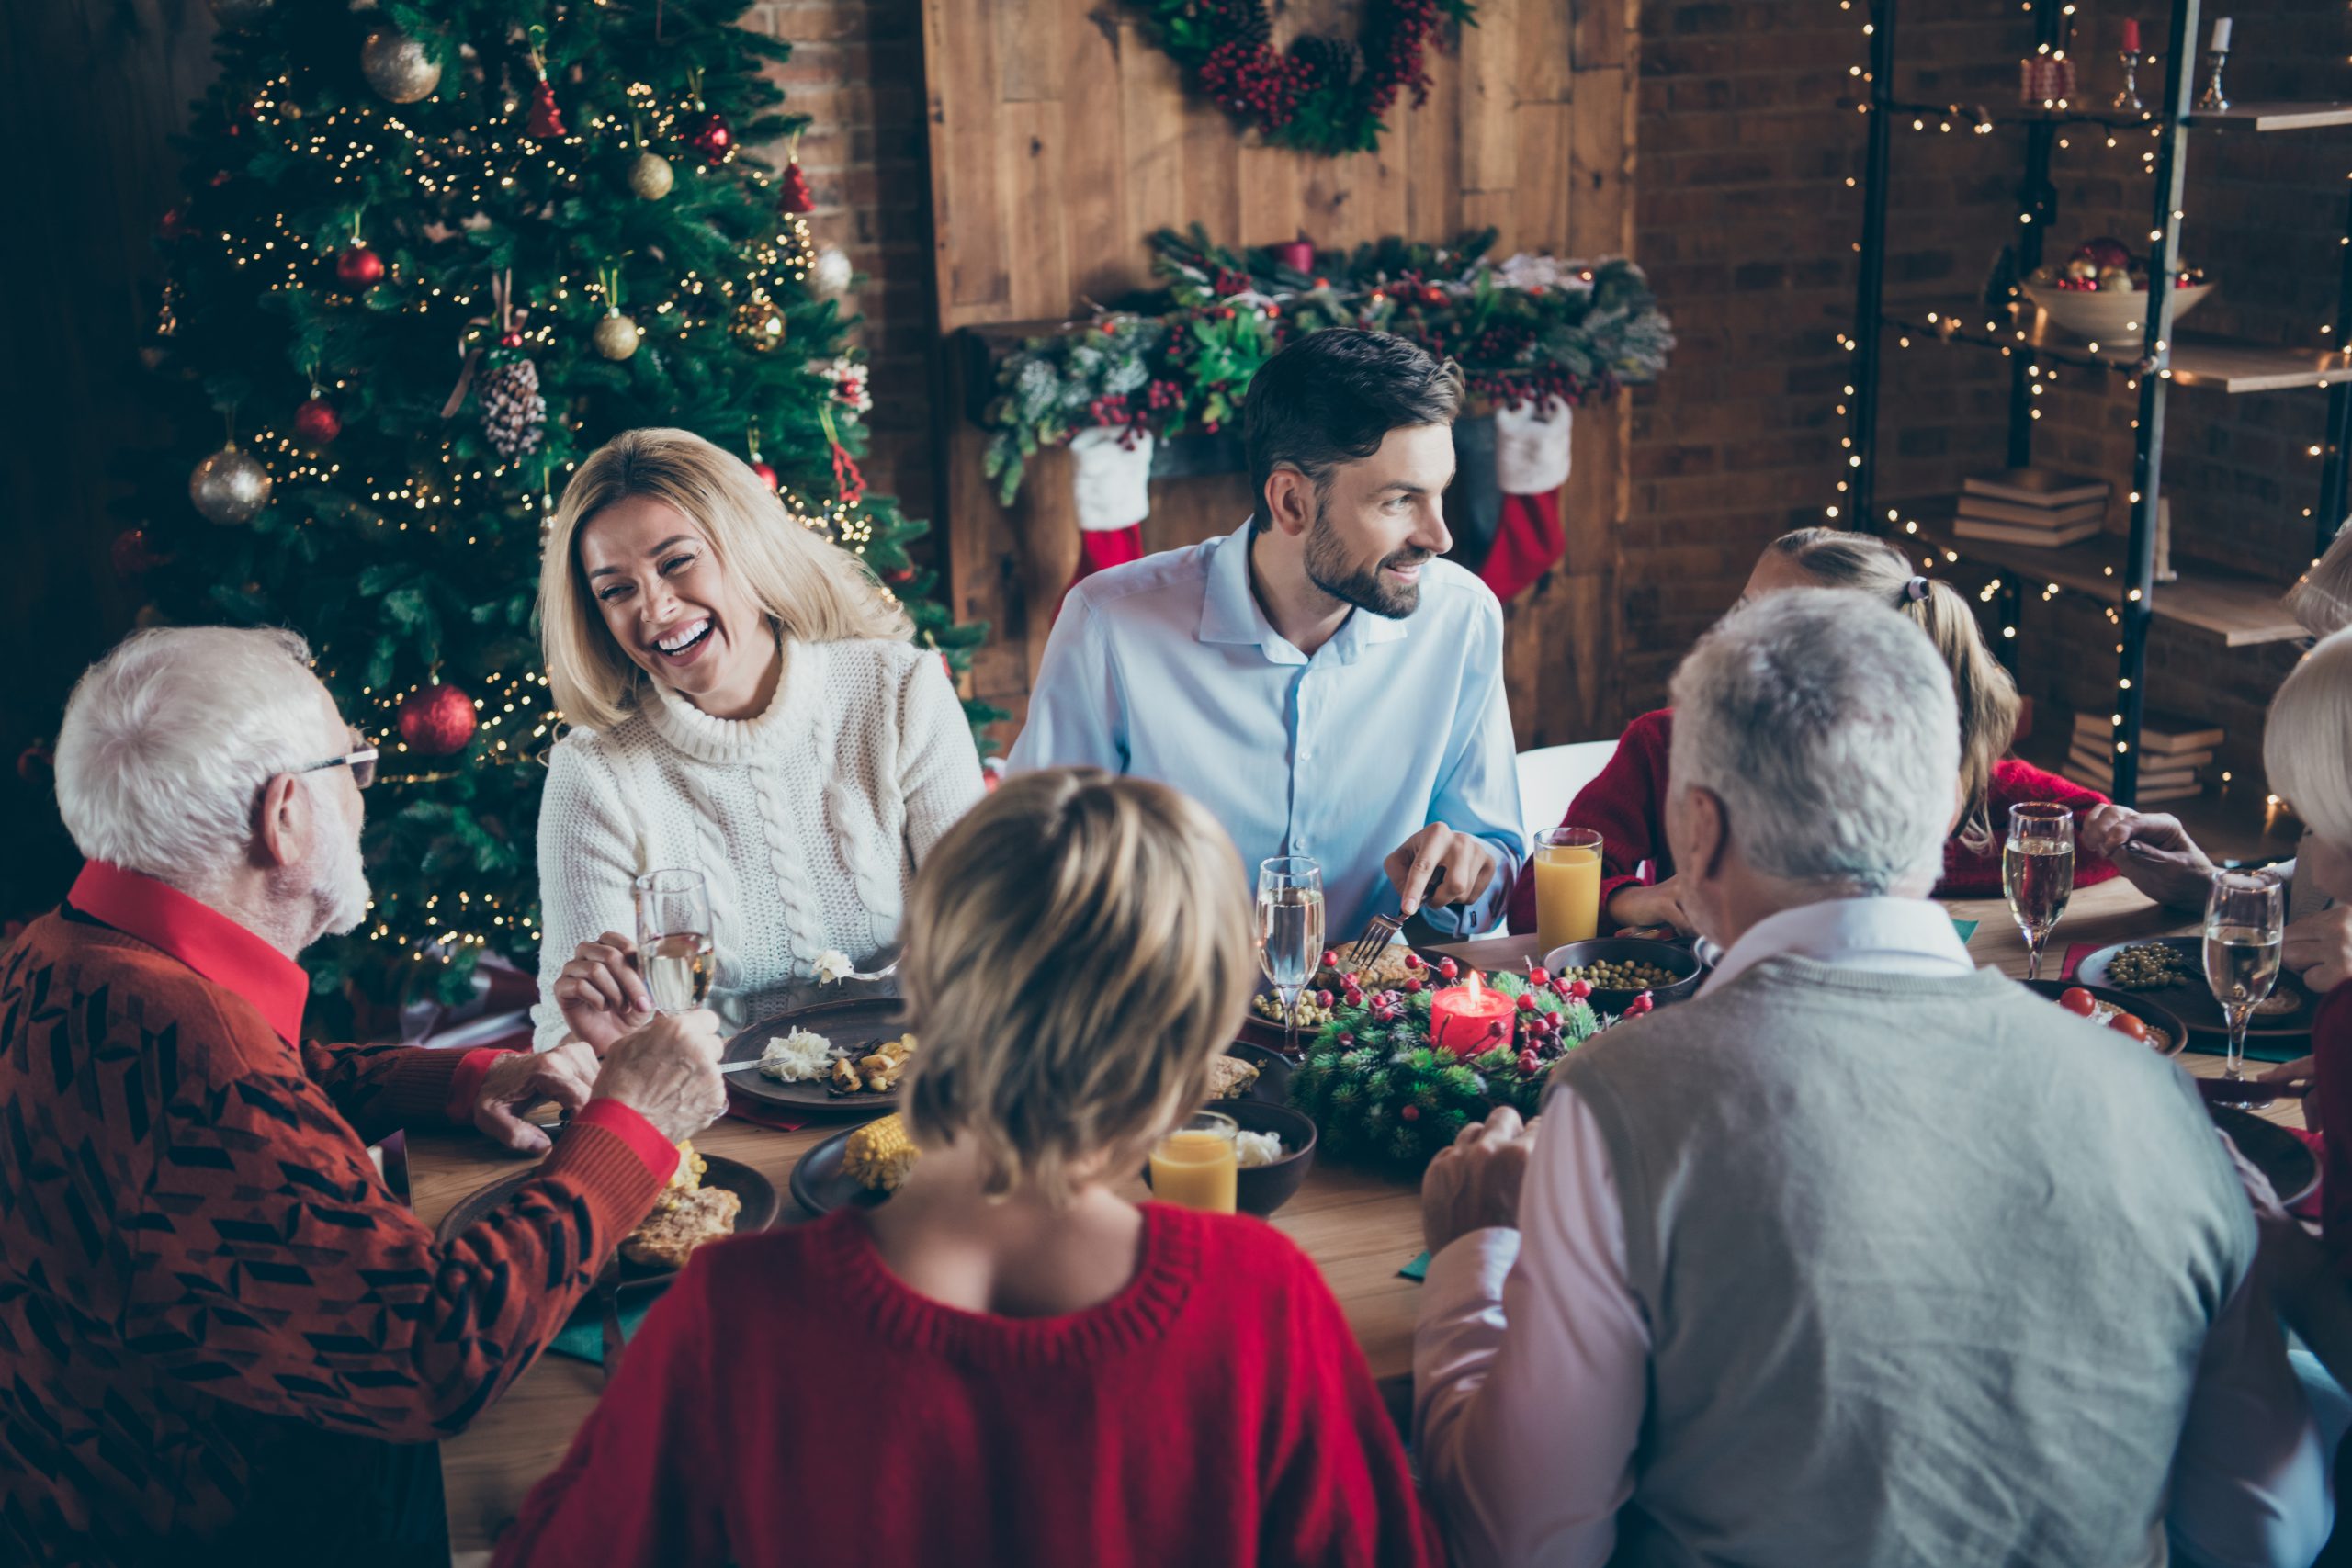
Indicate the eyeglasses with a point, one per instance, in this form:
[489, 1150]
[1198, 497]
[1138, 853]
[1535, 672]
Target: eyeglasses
[360, 760]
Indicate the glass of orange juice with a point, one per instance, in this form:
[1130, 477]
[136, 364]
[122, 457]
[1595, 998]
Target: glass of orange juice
[1193, 1167]
[1567, 886]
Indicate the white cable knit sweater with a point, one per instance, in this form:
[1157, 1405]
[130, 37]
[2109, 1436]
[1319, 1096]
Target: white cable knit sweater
[808, 821]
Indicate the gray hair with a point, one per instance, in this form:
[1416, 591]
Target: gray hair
[1824, 722]
[2309, 735]
[168, 740]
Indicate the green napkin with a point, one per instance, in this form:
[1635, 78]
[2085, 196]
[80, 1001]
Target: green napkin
[584, 1337]
[1418, 1268]
[1965, 928]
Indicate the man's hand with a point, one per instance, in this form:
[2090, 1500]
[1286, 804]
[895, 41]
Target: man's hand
[668, 1073]
[1660, 903]
[518, 1081]
[2319, 948]
[2155, 854]
[601, 993]
[1475, 1183]
[1461, 864]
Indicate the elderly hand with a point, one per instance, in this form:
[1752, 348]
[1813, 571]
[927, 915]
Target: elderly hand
[1475, 1182]
[1462, 864]
[602, 995]
[2152, 851]
[518, 1081]
[2319, 948]
[668, 1073]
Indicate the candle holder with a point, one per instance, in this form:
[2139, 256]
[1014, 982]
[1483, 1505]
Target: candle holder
[2128, 100]
[2213, 100]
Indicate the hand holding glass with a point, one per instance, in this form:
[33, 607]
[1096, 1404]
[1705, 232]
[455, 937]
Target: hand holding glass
[2245, 927]
[2038, 874]
[1290, 931]
[673, 945]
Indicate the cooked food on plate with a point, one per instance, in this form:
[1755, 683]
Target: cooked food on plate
[1257, 1149]
[876, 1072]
[2151, 966]
[1230, 1077]
[879, 1154]
[797, 1057]
[685, 1215]
[2081, 1003]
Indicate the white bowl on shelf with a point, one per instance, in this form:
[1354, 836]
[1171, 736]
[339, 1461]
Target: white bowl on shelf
[2117, 318]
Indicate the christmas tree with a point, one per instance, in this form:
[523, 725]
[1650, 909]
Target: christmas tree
[435, 251]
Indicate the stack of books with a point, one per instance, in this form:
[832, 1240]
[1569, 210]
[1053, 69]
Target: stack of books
[2031, 506]
[2173, 755]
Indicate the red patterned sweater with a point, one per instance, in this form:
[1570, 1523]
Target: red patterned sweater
[1626, 806]
[205, 1288]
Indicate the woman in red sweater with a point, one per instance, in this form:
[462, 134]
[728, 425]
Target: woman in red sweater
[1007, 1361]
[1626, 804]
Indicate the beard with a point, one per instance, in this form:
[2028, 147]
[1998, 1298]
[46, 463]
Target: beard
[1329, 568]
[339, 896]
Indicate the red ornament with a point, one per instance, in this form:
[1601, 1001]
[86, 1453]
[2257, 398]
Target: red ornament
[1410, 1113]
[174, 224]
[358, 267]
[1578, 990]
[1539, 975]
[848, 483]
[316, 421]
[1526, 1002]
[437, 719]
[1330, 959]
[546, 121]
[511, 338]
[796, 196]
[713, 139]
[129, 555]
[768, 476]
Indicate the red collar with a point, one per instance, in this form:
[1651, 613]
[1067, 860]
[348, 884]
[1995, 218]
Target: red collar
[200, 937]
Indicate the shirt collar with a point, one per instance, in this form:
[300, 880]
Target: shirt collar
[1908, 935]
[1230, 612]
[200, 937]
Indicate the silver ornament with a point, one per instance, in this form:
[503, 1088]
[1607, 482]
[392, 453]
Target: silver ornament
[240, 13]
[830, 274]
[650, 176]
[616, 336]
[400, 68]
[229, 486]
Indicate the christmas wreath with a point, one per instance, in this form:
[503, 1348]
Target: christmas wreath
[1323, 94]
[1381, 1091]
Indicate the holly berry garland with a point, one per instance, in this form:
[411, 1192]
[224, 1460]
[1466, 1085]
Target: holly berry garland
[1323, 94]
[1382, 1093]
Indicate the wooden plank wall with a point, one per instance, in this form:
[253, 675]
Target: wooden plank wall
[1061, 136]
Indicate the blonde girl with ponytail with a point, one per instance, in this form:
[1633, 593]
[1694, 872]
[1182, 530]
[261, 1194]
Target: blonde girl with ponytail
[1626, 803]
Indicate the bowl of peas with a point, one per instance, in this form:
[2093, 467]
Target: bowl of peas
[1620, 968]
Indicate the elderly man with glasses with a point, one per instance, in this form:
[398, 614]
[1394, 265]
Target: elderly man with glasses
[215, 1321]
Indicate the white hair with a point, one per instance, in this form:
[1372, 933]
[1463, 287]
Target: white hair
[2307, 745]
[168, 740]
[1825, 723]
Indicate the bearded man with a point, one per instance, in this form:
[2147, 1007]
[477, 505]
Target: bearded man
[1318, 678]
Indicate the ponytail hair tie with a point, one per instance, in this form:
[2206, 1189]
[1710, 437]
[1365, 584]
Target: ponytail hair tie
[1914, 589]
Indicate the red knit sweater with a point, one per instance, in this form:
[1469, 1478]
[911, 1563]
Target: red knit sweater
[789, 1401]
[207, 1295]
[1626, 806]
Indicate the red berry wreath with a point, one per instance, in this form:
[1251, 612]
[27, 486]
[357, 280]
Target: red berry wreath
[1322, 95]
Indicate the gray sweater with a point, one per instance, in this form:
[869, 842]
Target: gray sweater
[1928, 1265]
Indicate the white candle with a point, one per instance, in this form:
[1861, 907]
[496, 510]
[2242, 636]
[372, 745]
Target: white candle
[2221, 35]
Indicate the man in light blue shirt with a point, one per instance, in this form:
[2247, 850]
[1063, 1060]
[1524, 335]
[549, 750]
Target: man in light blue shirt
[1317, 678]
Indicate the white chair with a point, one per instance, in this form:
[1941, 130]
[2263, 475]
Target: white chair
[1550, 776]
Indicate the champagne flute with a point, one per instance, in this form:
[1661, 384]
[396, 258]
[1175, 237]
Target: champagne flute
[2246, 925]
[1290, 932]
[2038, 874]
[673, 945]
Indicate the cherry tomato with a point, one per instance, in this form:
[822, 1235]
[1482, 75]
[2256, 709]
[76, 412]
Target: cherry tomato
[2124, 1023]
[2078, 1001]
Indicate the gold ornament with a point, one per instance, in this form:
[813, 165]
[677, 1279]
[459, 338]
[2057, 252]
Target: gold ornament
[229, 486]
[759, 321]
[650, 176]
[616, 336]
[400, 68]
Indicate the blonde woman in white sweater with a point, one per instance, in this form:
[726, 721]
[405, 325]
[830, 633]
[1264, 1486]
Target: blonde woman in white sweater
[744, 704]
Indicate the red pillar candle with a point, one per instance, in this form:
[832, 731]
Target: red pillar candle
[1297, 254]
[1470, 1019]
[2130, 35]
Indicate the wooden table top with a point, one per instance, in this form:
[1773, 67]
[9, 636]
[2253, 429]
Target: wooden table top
[1359, 1228]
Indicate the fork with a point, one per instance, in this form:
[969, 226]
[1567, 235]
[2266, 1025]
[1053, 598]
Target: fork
[1372, 943]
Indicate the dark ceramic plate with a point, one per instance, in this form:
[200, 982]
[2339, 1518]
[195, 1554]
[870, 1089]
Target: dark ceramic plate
[2193, 1002]
[2290, 1163]
[860, 1023]
[820, 1185]
[2159, 1019]
[1274, 1072]
[1675, 958]
[1263, 1189]
[758, 1213]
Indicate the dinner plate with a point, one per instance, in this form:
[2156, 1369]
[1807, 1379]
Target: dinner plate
[2285, 1159]
[2192, 1001]
[2160, 1019]
[860, 1023]
[756, 1191]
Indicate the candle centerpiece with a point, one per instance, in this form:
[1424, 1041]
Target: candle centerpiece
[1297, 254]
[1471, 1018]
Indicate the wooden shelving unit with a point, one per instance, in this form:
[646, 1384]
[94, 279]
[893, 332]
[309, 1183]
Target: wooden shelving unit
[2239, 611]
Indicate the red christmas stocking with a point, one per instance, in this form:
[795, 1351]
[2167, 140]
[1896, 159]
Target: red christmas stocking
[1528, 543]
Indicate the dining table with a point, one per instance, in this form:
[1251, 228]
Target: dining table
[1361, 1227]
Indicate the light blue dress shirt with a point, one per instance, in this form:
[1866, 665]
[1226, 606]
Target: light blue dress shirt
[1166, 668]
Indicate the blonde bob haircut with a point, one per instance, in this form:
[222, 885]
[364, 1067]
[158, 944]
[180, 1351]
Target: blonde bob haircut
[2307, 744]
[1835, 558]
[810, 590]
[1077, 951]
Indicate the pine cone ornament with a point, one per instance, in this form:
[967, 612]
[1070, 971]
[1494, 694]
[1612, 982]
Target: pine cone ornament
[1251, 21]
[1334, 60]
[513, 412]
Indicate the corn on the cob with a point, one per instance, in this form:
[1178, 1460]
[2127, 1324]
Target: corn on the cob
[879, 1154]
[683, 1182]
